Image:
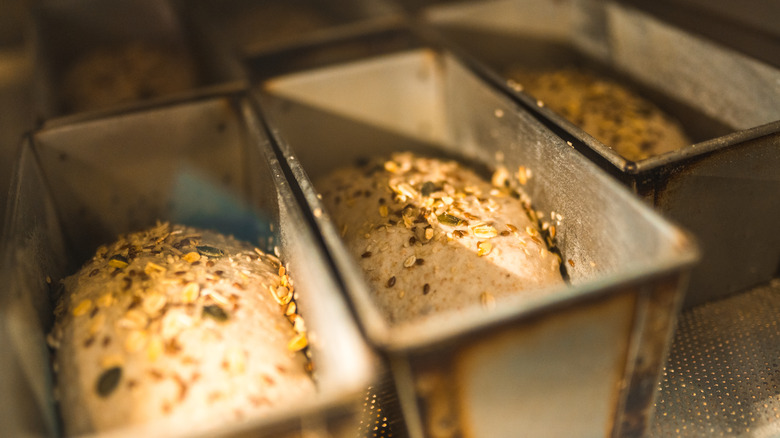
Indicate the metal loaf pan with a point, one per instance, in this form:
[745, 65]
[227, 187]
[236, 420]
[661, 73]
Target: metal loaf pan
[583, 361]
[69, 33]
[724, 187]
[253, 27]
[205, 163]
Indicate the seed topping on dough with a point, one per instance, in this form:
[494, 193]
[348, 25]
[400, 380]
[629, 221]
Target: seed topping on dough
[108, 381]
[430, 207]
[215, 312]
[150, 318]
[118, 261]
[484, 248]
[210, 251]
[448, 219]
[83, 307]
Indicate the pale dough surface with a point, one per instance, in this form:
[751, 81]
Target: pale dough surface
[612, 113]
[176, 324]
[432, 235]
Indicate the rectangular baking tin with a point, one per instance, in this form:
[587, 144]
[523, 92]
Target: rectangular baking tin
[254, 28]
[64, 31]
[724, 187]
[581, 362]
[207, 163]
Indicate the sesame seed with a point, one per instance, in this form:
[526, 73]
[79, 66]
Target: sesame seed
[410, 261]
[483, 248]
[83, 307]
[488, 301]
[426, 288]
[291, 309]
[135, 341]
[190, 257]
[191, 292]
[391, 281]
[366, 254]
[522, 175]
[298, 343]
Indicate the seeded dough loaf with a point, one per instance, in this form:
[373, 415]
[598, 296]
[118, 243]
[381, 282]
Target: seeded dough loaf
[616, 116]
[136, 71]
[180, 325]
[431, 235]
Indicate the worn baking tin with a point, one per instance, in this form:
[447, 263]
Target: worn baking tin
[720, 376]
[724, 187]
[255, 27]
[582, 361]
[206, 163]
[337, 50]
[66, 31]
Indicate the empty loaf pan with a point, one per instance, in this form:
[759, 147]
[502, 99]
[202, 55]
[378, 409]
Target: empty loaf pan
[206, 164]
[581, 360]
[266, 26]
[93, 56]
[722, 185]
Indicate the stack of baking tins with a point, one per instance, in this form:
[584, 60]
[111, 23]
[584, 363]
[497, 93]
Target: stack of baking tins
[193, 152]
[265, 111]
[724, 187]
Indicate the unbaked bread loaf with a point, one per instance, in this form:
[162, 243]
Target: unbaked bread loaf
[616, 116]
[132, 72]
[432, 235]
[185, 326]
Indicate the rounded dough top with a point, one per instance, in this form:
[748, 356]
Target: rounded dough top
[432, 235]
[176, 324]
[615, 115]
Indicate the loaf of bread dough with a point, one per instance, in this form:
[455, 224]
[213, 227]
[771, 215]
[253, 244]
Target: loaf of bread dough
[132, 72]
[432, 235]
[177, 325]
[616, 116]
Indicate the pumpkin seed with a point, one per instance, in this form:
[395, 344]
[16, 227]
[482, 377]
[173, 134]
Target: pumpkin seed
[108, 381]
[210, 251]
[216, 312]
[448, 219]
